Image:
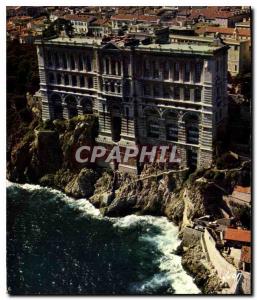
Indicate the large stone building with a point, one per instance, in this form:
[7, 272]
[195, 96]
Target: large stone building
[156, 94]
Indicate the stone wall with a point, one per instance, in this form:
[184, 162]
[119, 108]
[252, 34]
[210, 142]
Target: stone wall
[226, 271]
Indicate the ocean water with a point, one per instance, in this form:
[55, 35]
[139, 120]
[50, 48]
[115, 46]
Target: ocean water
[58, 245]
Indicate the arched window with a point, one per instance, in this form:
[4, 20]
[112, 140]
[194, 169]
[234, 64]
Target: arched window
[152, 123]
[71, 103]
[171, 124]
[87, 107]
[56, 104]
[192, 129]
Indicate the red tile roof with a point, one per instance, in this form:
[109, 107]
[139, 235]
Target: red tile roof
[210, 12]
[148, 18]
[237, 235]
[246, 254]
[77, 18]
[140, 18]
[123, 17]
[101, 22]
[224, 30]
[242, 189]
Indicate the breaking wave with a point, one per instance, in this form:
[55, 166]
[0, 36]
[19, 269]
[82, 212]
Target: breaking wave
[127, 255]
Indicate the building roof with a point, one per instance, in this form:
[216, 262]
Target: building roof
[223, 30]
[131, 17]
[125, 17]
[237, 235]
[82, 18]
[144, 18]
[101, 22]
[210, 12]
[119, 42]
[246, 254]
[242, 189]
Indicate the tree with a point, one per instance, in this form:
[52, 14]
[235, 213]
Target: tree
[57, 26]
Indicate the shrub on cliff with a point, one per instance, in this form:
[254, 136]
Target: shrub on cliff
[227, 161]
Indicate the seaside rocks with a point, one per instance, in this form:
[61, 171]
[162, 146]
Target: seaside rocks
[197, 265]
[82, 185]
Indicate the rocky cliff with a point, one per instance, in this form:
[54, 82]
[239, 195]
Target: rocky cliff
[44, 155]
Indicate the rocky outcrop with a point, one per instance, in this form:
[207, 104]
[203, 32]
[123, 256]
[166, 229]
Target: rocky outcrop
[44, 155]
[195, 262]
[82, 185]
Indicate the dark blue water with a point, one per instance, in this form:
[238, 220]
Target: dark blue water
[58, 245]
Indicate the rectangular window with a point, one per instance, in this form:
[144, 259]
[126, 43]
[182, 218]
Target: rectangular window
[74, 80]
[90, 82]
[156, 91]
[166, 91]
[176, 72]
[197, 95]
[155, 70]
[146, 69]
[186, 94]
[64, 61]
[187, 72]
[113, 69]
[82, 81]
[72, 62]
[66, 79]
[166, 72]
[59, 78]
[147, 90]
[198, 71]
[80, 63]
[49, 58]
[176, 93]
[88, 64]
[56, 58]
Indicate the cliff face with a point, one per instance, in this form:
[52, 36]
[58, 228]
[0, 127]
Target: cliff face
[44, 154]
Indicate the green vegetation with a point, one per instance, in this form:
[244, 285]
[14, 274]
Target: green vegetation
[56, 27]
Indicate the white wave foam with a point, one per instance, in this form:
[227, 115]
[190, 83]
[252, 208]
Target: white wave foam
[82, 204]
[170, 266]
[166, 241]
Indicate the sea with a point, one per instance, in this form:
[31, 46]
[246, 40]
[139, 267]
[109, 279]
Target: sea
[57, 245]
